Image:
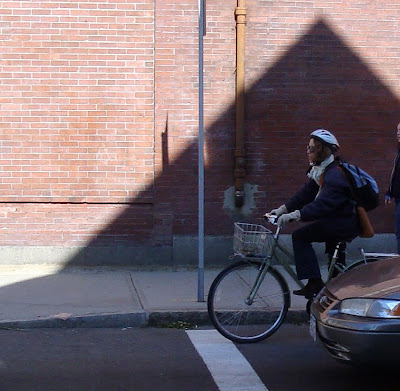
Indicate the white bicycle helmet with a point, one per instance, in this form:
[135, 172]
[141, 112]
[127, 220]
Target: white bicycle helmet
[325, 136]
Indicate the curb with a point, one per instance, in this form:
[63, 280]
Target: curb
[136, 319]
[167, 319]
[201, 318]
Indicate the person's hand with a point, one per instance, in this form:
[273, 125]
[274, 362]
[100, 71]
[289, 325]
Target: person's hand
[279, 211]
[272, 219]
[388, 200]
[289, 217]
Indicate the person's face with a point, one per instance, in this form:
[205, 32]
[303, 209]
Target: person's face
[312, 150]
[398, 132]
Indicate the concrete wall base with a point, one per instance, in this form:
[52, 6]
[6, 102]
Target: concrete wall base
[87, 256]
[183, 252]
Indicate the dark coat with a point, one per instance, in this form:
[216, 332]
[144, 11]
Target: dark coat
[394, 187]
[332, 201]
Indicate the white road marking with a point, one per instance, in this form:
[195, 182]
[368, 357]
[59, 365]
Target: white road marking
[228, 367]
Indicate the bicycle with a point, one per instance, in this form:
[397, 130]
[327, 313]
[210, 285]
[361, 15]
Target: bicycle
[249, 299]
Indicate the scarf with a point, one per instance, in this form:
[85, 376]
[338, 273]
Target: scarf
[317, 171]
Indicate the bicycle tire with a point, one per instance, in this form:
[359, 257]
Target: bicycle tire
[361, 262]
[241, 322]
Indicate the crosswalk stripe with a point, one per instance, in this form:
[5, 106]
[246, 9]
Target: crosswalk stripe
[228, 367]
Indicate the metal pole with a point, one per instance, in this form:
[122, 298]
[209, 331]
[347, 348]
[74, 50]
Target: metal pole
[239, 172]
[200, 284]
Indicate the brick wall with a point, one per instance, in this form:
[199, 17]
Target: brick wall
[99, 107]
[77, 108]
[321, 64]
[176, 122]
[308, 64]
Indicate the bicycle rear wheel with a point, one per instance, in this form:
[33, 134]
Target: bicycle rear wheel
[228, 306]
[361, 262]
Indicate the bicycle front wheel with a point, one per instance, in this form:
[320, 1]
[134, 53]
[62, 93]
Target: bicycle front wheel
[229, 308]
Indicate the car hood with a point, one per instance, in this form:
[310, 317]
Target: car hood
[377, 279]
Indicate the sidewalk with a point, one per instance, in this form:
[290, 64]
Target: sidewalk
[34, 296]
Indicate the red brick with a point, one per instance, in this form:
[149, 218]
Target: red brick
[100, 105]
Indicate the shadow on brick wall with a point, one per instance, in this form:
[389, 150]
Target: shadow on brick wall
[319, 82]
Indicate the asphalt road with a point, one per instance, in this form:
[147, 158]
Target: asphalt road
[169, 360]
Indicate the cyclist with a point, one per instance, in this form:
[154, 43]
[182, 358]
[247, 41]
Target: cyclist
[325, 201]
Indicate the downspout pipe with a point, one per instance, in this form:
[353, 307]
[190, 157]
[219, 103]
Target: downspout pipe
[240, 153]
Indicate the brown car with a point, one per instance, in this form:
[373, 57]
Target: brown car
[356, 315]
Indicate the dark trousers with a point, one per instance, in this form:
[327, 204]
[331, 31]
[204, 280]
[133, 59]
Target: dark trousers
[321, 231]
[397, 225]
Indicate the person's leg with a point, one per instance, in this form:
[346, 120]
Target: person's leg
[306, 260]
[307, 266]
[304, 254]
[321, 231]
[397, 225]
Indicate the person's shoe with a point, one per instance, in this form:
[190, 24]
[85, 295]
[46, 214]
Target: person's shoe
[314, 285]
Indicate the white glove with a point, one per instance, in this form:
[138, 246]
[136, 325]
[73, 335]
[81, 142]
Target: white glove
[289, 217]
[279, 211]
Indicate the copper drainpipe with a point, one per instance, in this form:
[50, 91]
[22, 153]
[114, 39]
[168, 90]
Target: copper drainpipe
[240, 153]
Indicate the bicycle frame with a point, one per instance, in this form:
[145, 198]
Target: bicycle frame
[272, 254]
[266, 263]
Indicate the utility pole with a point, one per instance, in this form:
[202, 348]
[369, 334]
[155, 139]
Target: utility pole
[202, 32]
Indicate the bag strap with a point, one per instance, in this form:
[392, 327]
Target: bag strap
[347, 176]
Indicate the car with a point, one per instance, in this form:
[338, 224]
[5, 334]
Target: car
[356, 316]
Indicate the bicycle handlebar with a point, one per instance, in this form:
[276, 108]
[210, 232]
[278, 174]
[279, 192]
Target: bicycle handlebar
[272, 219]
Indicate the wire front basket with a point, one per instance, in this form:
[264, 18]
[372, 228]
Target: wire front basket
[251, 240]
